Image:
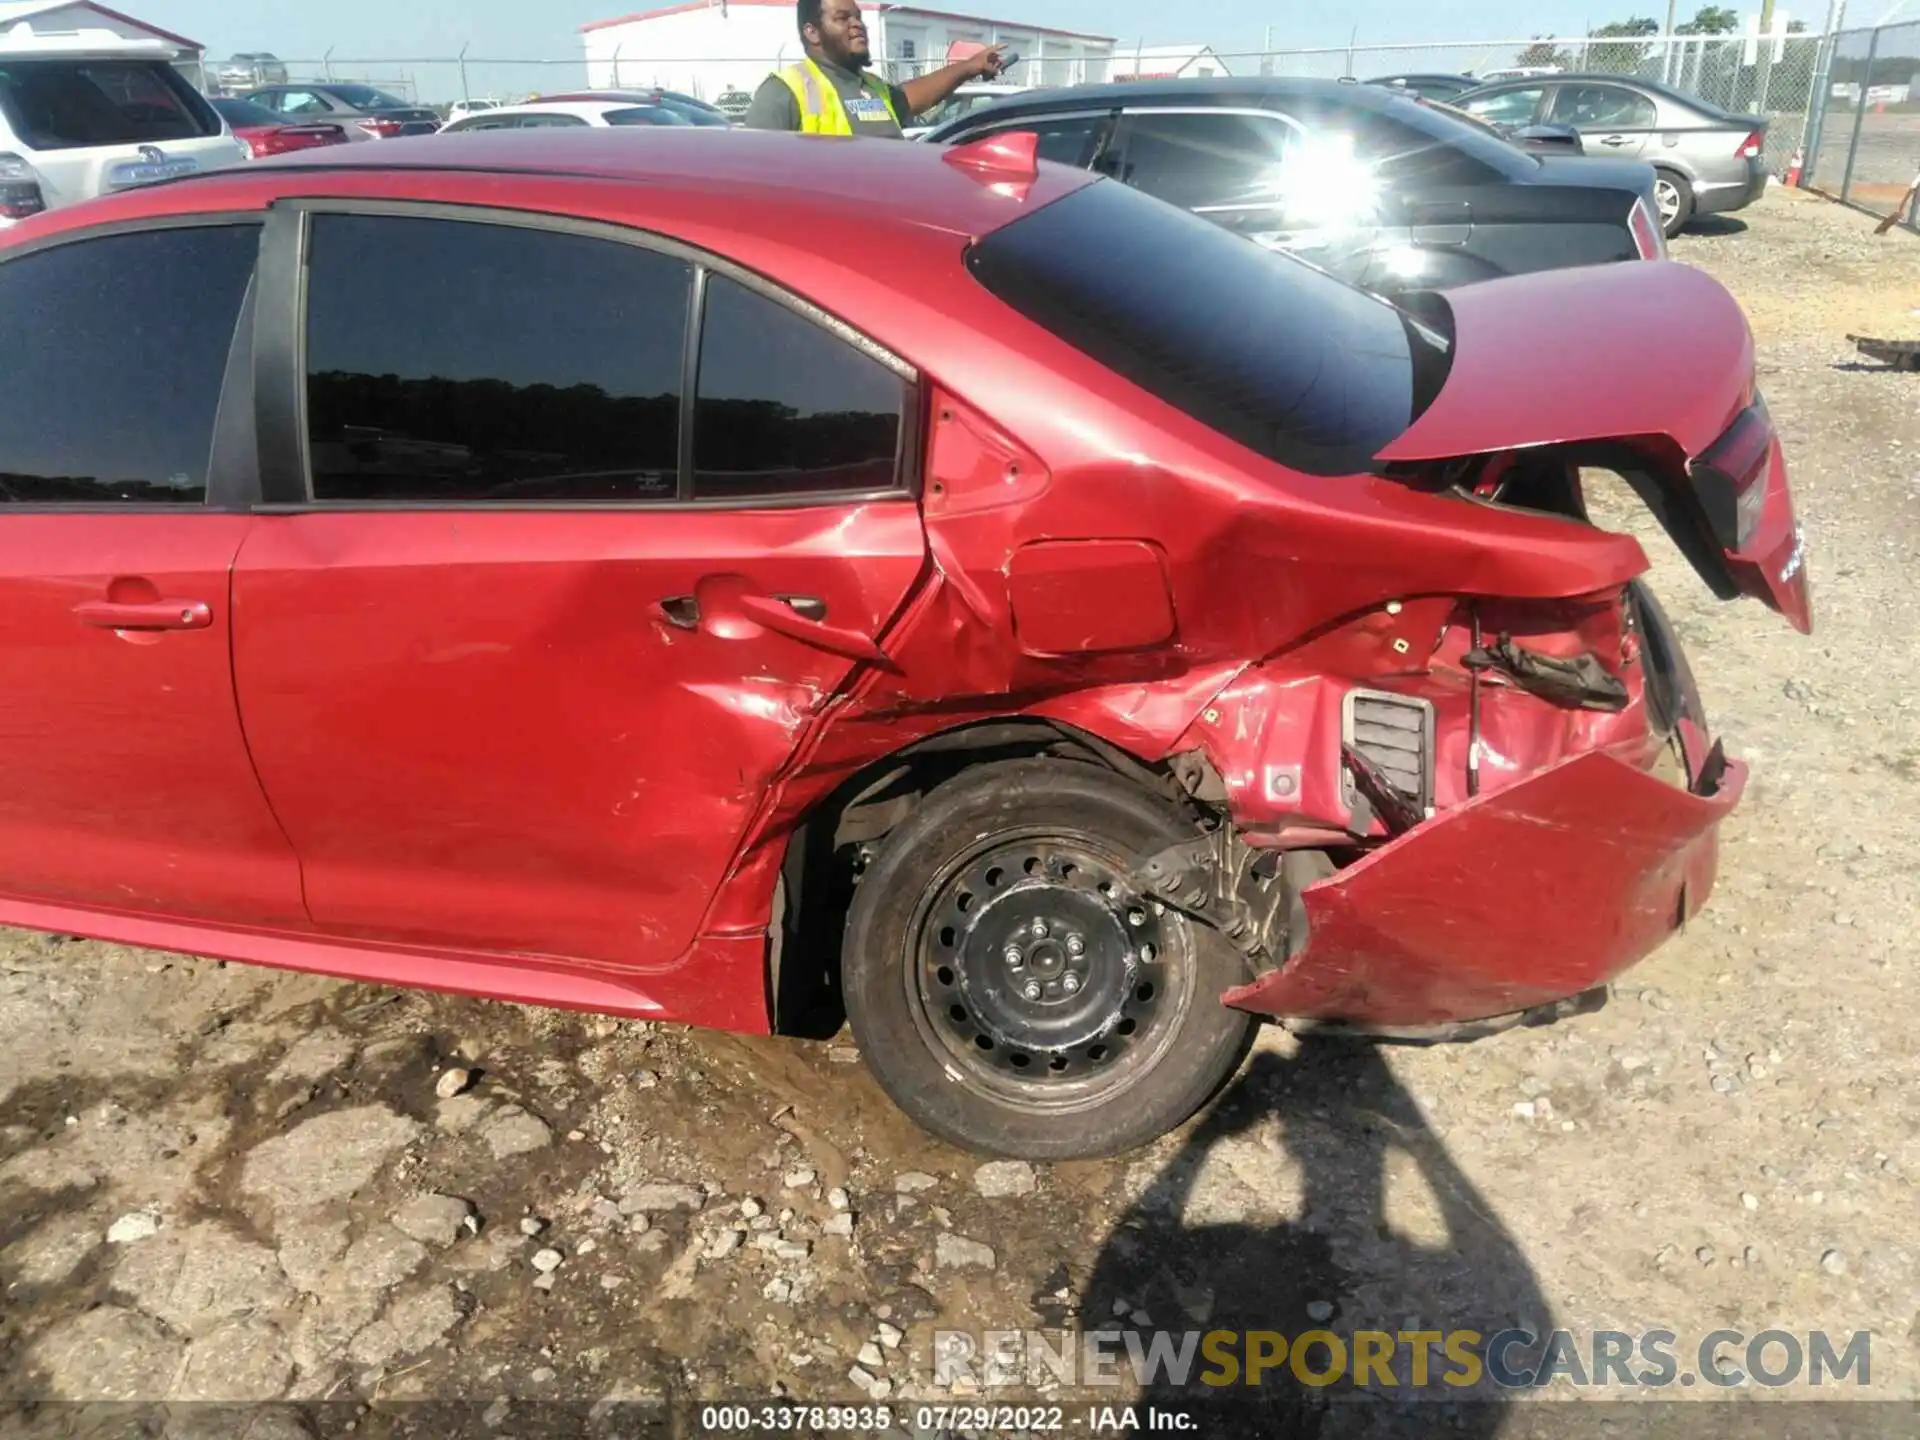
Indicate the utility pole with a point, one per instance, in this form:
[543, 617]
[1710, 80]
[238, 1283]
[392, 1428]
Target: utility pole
[1763, 56]
[1666, 59]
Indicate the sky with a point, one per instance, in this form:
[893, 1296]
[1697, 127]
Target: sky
[516, 29]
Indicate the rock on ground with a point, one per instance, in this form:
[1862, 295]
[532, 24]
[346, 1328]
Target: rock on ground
[109, 1354]
[197, 1276]
[314, 1056]
[381, 1258]
[330, 1157]
[411, 1325]
[514, 1132]
[1003, 1179]
[433, 1219]
[239, 1360]
[956, 1252]
[662, 1197]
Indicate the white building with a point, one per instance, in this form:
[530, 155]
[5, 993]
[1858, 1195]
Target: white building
[1167, 62]
[55, 25]
[709, 47]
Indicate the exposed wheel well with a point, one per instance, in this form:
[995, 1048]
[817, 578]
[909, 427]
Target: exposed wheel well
[828, 850]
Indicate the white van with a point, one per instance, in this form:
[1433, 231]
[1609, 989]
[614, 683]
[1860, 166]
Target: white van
[87, 112]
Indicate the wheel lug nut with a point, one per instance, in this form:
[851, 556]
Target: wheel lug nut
[1040, 929]
[1011, 954]
[1031, 990]
[1070, 983]
[1075, 945]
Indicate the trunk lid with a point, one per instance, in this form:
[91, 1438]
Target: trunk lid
[1654, 358]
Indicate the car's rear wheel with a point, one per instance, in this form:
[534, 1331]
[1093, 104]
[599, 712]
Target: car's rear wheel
[1674, 197]
[1009, 990]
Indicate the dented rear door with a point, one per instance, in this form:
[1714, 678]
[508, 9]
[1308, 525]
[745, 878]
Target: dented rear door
[519, 683]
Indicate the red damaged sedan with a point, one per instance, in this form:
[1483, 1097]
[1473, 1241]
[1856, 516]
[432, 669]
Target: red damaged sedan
[686, 575]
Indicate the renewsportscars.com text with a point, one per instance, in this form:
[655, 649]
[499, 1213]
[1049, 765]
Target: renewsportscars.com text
[1512, 1359]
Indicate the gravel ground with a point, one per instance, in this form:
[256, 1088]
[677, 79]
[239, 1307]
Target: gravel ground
[218, 1182]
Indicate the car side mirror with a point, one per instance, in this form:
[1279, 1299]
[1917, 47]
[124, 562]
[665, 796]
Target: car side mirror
[1555, 139]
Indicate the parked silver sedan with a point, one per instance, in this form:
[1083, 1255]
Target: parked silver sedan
[1706, 160]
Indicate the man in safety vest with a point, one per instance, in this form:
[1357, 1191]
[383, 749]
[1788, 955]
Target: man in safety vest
[831, 92]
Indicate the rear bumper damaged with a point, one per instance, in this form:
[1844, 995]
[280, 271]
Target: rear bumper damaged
[1515, 900]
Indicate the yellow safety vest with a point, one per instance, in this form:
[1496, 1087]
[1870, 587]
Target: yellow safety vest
[821, 112]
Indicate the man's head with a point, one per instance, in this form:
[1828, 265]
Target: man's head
[833, 30]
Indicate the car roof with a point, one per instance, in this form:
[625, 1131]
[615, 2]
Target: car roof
[756, 172]
[589, 108]
[1218, 90]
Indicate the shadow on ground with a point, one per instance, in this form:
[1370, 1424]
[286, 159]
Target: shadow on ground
[1339, 1267]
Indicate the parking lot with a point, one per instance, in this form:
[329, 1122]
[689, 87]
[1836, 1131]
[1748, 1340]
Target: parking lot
[217, 1182]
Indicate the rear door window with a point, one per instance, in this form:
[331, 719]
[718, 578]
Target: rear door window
[71, 104]
[1509, 107]
[1066, 139]
[786, 407]
[1206, 160]
[1268, 351]
[119, 350]
[451, 362]
[1601, 107]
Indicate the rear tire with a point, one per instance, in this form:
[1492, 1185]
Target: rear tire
[1674, 196]
[1007, 989]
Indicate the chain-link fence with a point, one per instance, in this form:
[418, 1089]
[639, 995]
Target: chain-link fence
[1866, 144]
[1783, 78]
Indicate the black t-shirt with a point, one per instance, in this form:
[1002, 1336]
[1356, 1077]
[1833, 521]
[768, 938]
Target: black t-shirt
[775, 106]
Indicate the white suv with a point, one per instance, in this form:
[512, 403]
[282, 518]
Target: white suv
[88, 112]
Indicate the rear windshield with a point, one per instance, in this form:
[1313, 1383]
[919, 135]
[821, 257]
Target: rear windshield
[69, 104]
[1263, 348]
[245, 112]
[646, 115]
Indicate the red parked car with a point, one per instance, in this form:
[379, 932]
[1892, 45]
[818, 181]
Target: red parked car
[269, 134]
[648, 575]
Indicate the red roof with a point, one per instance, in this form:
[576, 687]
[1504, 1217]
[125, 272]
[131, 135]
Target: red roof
[689, 6]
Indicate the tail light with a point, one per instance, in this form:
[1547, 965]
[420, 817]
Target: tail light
[1732, 477]
[380, 127]
[1751, 147]
[20, 193]
[1648, 238]
[298, 137]
[1742, 485]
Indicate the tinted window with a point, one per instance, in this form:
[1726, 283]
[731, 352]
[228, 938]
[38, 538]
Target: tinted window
[786, 407]
[65, 104]
[365, 97]
[1195, 160]
[1271, 352]
[1071, 140]
[1509, 107]
[646, 115]
[297, 102]
[1401, 153]
[450, 361]
[1601, 107]
[547, 120]
[118, 348]
[245, 112]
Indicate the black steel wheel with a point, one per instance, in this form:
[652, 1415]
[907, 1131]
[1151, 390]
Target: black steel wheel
[1010, 990]
[1043, 977]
